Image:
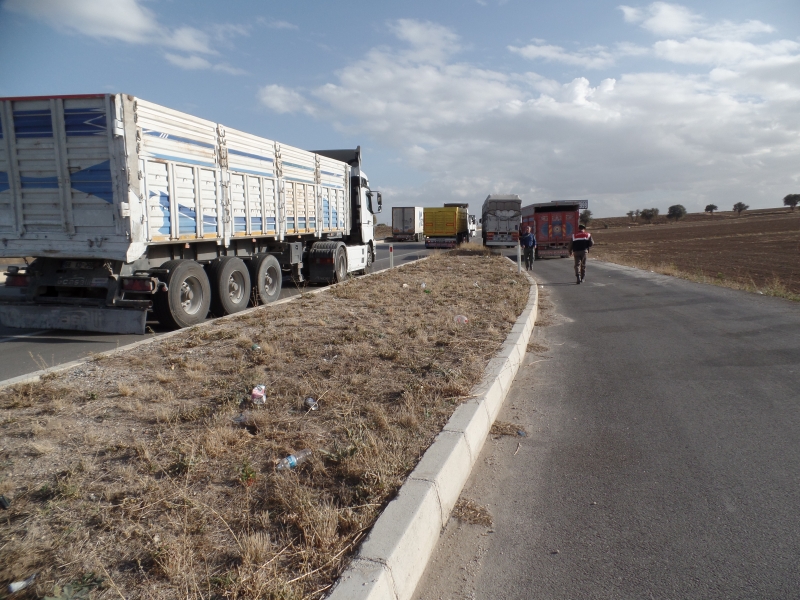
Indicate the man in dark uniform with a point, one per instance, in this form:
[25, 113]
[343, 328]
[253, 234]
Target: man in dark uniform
[528, 243]
[579, 247]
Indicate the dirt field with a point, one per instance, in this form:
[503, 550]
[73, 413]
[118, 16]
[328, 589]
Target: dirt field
[759, 252]
[150, 474]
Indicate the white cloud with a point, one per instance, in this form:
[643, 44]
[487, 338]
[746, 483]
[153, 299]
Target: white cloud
[275, 23]
[128, 21]
[283, 100]
[194, 62]
[591, 58]
[724, 133]
[663, 18]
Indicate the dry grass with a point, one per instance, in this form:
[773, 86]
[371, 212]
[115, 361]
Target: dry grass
[132, 470]
[468, 511]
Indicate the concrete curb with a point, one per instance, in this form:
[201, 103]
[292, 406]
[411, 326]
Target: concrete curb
[393, 557]
[37, 375]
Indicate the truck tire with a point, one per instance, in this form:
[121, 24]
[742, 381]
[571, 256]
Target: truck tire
[370, 257]
[188, 296]
[266, 278]
[340, 264]
[230, 285]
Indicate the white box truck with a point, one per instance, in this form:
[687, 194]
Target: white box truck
[407, 223]
[500, 220]
[127, 206]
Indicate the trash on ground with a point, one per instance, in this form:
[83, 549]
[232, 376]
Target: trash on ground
[405, 285]
[5, 503]
[311, 404]
[244, 419]
[522, 433]
[291, 461]
[461, 319]
[423, 286]
[255, 348]
[476, 284]
[16, 586]
[258, 393]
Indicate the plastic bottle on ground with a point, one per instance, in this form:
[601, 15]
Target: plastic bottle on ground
[291, 461]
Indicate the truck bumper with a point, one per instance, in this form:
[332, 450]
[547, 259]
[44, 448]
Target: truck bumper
[79, 318]
[441, 242]
[552, 252]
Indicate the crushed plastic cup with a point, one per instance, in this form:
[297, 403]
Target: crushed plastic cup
[311, 404]
[423, 286]
[461, 320]
[258, 393]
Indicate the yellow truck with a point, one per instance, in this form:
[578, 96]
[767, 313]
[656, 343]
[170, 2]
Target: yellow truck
[446, 227]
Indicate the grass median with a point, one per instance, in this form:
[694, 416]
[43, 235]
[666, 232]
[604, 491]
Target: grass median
[150, 474]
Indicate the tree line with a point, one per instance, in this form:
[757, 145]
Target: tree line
[677, 211]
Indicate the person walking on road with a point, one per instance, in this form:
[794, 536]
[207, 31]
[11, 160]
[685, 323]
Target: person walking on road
[579, 247]
[528, 242]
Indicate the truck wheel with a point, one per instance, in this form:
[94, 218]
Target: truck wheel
[188, 295]
[266, 278]
[230, 285]
[370, 257]
[341, 265]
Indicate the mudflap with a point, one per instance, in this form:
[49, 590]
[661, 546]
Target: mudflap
[77, 318]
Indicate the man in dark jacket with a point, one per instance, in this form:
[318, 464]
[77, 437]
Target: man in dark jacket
[579, 247]
[528, 243]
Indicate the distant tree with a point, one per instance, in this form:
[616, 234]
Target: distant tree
[648, 214]
[586, 217]
[740, 207]
[632, 215]
[710, 208]
[791, 200]
[676, 212]
[636, 214]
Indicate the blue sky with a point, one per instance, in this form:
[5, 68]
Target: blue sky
[629, 104]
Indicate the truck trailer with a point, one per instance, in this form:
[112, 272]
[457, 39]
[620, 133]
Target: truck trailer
[408, 223]
[500, 220]
[554, 224]
[126, 206]
[446, 227]
[471, 222]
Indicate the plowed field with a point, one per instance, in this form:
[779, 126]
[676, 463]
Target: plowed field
[754, 253]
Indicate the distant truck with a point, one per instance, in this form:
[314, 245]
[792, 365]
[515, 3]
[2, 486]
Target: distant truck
[500, 220]
[471, 221]
[446, 227]
[408, 223]
[553, 223]
[127, 207]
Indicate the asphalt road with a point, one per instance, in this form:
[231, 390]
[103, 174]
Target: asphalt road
[662, 456]
[23, 351]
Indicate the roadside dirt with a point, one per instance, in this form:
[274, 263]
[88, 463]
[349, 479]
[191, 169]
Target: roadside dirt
[150, 474]
[758, 254]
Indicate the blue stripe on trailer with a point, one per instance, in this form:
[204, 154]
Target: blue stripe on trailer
[4, 185]
[255, 223]
[42, 183]
[176, 138]
[82, 122]
[262, 173]
[33, 123]
[239, 224]
[331, 174]
[248, 155]
[180, 160]
[209, 224]
[271, 223]
[96, 180]
[300, 180]
[296, 166]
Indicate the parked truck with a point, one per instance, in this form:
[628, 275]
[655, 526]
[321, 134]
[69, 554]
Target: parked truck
[408, 223]
[553, 223]
[127, 206]
[500, 220]
[446, 227]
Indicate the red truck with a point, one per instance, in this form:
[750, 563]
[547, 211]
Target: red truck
[553, 224]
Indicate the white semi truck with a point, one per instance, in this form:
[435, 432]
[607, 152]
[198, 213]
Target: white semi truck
[126, 206]
[500, 220]
[408, 223]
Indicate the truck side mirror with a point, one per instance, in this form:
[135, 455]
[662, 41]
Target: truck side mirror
[380, 202]
[480, 221]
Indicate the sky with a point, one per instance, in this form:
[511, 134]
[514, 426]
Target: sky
[630, 105]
